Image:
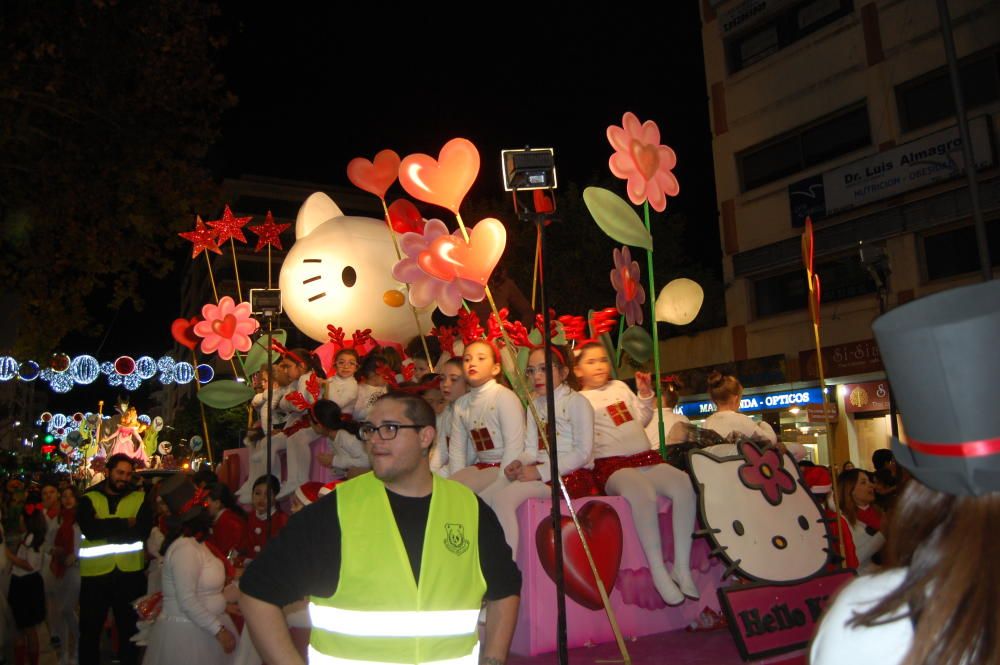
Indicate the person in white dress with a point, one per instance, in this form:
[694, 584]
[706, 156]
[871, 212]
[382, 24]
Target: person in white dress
[193, 626]
[452, 387]
[625, 465]
[726, 392]
[489, 419]
[668, 402]
[342, 387]
[574, 447]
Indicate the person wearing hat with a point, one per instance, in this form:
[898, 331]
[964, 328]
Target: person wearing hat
[396, 562]
[115, 520]
[938, 600]
[193, 626]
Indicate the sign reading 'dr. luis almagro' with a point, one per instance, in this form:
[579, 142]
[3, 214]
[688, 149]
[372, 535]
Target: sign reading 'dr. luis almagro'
[932, 158]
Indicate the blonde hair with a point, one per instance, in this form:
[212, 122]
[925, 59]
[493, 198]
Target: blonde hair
[722, 388]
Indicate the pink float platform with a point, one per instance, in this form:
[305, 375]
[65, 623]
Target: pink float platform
[637, 605]
[241, 457]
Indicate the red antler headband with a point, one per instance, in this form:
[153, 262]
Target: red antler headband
[280, 348]
[299, 400]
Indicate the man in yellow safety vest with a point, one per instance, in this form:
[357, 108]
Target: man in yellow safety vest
[115, 520]
[396, 562]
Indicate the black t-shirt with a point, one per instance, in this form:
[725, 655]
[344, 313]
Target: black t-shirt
[304, 559]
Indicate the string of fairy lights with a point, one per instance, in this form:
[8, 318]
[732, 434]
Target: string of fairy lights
[63, 373]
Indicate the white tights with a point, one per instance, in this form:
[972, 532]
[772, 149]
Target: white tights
[505, 502]
[640, 487]
[298, 456]
[477, 479]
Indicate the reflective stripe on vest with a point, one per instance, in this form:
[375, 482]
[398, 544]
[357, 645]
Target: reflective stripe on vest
[318, 658]
[393, 624]
[111, 548]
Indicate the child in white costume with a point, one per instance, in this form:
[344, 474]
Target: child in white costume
[490, 418]
[256, 440]
[452, 387]
[342, 387]
[298, 434]
[574, 445]
[625, 466]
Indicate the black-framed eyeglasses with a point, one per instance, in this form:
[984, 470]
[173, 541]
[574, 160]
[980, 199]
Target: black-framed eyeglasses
[386, 431]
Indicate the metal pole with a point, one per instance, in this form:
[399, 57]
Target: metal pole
[985, 264]
[550, 427]
[267, 425]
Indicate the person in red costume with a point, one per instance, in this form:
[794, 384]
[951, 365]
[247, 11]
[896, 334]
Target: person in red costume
[229, 521]
[257, 533]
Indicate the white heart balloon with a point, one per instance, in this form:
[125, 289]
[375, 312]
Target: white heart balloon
[679, 302]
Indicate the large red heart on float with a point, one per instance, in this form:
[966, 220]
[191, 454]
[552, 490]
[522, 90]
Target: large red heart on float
[450, 256]
[374, 177]
[405, 217]
[183, 332]
[603, 530]
[443, 181]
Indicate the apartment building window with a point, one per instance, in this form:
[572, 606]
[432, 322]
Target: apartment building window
[841, 278]
[928, 99]
[782, 29]
[955, 252]
[845, 131]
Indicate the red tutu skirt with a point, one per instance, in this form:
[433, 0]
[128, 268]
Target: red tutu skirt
[606, 466]
[486, 465]
[579, 483]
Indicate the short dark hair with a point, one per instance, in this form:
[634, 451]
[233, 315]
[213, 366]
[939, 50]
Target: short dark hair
[882, 457]
[117, 459]
[415, 407]
[269, 480]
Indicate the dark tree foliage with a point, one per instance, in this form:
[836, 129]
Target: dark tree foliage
[107, 110]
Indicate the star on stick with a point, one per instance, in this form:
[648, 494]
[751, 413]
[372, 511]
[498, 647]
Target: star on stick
[230, 227]
[202, 237]
[268, 233]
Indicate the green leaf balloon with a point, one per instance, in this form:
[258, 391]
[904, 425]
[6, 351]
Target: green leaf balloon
[257, 357]
[225, 394]
[637, 343]
[616, 217]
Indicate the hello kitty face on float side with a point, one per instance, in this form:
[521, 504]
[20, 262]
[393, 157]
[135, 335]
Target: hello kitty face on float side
[339, 272]
[759, 515]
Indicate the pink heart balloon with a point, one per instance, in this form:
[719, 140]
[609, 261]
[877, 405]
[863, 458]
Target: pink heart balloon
[443, 181]
[451, 257]
[374, 177]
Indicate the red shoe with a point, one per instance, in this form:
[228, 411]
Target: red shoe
[709, 619]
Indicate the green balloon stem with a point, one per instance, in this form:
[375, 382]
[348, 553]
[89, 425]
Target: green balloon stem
[656, 338]
[618, 347]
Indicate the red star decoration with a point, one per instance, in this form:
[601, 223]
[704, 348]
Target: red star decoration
[269, 233]
[202, 237]
[229, 227]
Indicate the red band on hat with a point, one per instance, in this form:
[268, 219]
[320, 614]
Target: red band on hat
[965, 449]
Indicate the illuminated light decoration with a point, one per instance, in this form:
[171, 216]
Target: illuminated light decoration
[46, 417]
[115, 379]
[165, 364]
[145, 367]
[84, 370]
[78, 417]
[28, 370]
[144, 419]
[205, 373]
[132, 382]
[61, 431]
[107, 368]
[196, 443]
[61, 383]
[125, 365]
[183, 373]
[59, 362]
[8, 368]
[167, 376]
[59, 420]
[679, 302]
[46, 375]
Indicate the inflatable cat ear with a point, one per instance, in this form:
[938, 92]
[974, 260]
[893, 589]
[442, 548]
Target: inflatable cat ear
[317, 209]
[759, 515]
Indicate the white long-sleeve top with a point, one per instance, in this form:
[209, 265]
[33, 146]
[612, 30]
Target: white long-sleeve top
[365, 396]
[499, 411]
[348, 451]
[279, 416]
[669, 420]
[343, 391]
[628, 436]
[30, 555]
[193, 578]
[439, 453]
[299, 385]
[725, 423]
[574, 432]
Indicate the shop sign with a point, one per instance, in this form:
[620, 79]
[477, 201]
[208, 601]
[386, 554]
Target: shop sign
[865, 397]
[815, 412]
[933, 158]
[762, 402]
[842, 360]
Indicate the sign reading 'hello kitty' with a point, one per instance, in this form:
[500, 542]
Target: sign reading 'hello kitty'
[339, 272]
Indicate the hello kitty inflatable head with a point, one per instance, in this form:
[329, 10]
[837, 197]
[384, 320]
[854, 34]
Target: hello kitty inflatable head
[759, 514]
[339, 272]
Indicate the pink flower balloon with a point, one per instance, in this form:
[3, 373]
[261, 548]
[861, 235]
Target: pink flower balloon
[643, 162]
[227, 328]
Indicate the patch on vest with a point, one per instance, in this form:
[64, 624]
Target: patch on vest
[456, 542]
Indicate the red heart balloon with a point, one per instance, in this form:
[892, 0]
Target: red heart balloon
[603, 529]
[375, 178]
[183, 332]
[443, 181]
[405, 217]
[449, 256]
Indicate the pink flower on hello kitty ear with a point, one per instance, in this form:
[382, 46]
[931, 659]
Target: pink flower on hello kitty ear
[764, 471]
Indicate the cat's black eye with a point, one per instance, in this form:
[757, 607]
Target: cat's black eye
[738, 527]
[804, 523]
[349, 276]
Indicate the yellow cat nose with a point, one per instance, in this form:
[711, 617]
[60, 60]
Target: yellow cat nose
[393, 298]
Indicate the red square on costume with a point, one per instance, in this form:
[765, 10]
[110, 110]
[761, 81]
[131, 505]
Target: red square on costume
[619, 413]
[481, 439]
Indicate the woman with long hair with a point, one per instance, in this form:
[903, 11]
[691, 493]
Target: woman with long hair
[856, 497]
[193, 626]
[938, 602]
[26, 596]
[65, 569]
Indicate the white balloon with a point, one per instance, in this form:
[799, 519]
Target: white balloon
[679, 302]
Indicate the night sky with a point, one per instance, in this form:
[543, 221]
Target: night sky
[317, 89]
